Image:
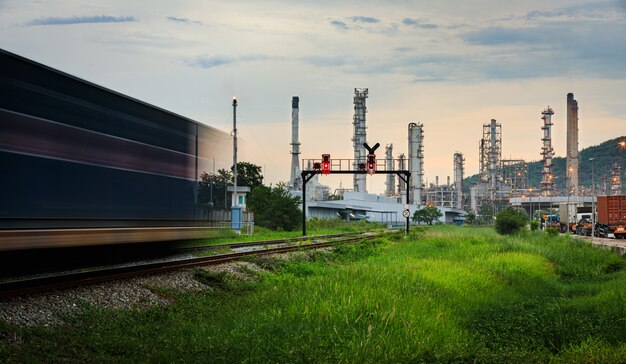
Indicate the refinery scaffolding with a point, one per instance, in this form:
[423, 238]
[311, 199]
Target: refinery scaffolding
[616, 180]
[442, 195]
[547, 152]
[490, 152]
[515, 178]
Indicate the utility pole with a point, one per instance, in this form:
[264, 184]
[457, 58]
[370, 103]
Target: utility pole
[235, 201]
[235, 210]
[593, 196]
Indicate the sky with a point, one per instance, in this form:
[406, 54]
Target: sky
[452, 65]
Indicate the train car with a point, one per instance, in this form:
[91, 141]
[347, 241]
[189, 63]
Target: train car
[82, 164]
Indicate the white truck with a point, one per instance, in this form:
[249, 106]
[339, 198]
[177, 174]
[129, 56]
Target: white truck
[570, 214]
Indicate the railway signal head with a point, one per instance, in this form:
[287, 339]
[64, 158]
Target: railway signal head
[371, 163]
[317, 166]
[325, 163]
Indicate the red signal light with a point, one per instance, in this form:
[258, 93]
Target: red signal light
[371, 163]
[325, 163]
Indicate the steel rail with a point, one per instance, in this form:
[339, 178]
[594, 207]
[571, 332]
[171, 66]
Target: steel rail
[62, 281]
[283, 241]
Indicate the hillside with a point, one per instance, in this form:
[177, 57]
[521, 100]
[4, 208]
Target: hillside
[604, 154]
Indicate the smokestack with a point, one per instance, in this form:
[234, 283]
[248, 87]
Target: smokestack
[416, 161]
[296, 178]
[389, 185]
[458, 178]
[572, 144]
[401, 167]
[360, 94]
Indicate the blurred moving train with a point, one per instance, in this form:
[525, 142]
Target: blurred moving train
[84, 165]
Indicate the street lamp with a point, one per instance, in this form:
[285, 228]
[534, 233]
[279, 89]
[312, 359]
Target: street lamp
[593, 197]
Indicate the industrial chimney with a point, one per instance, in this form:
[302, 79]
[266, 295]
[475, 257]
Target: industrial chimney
[459, 161]
[389, 184]
[360, 94]
[401, 167]
[572, 144]
[416, 161]
[296, 178]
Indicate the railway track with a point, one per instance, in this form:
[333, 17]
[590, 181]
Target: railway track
[74, 279]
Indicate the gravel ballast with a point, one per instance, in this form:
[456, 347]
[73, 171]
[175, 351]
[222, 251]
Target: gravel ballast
[48, 309]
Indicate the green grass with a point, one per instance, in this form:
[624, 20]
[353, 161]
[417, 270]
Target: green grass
[443, 295]
[314, 227]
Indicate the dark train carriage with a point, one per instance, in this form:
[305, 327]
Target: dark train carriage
[77, 155]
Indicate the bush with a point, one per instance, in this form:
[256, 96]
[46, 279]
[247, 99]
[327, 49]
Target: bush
[534, 225]
[511, 221]
[552, 231]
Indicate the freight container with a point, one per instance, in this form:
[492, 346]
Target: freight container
[612, 216]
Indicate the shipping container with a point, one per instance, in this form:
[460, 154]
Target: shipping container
[612, 216]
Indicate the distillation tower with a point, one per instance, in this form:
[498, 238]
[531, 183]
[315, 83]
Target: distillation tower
[401, 167]
[572, 145]
[416, 161]
[360, 94]
[459, 162]
[390, 181]
[547, 180]
[296, 178]
[491, 156]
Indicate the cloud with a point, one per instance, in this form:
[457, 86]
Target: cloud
[206, 62]
[418, 23]
[183, 20]
[80, 20]
[403, 49]
[336, 61]
[364, 23]
[582, 48]
[209, 62]
[364, 19]
[429, 79]
[339, 25]
[502, 36]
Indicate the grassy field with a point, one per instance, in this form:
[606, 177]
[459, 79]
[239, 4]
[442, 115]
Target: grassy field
[314, 227]
[445, 294]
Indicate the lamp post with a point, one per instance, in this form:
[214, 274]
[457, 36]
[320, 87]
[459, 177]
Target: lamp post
[568, 183]
[593, 197]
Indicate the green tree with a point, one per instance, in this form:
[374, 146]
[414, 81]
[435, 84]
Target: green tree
[249, 174]
[470, 218]
[485, 213]
[427, 215]
[275, 208]
[212, 191]
[511, 221]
